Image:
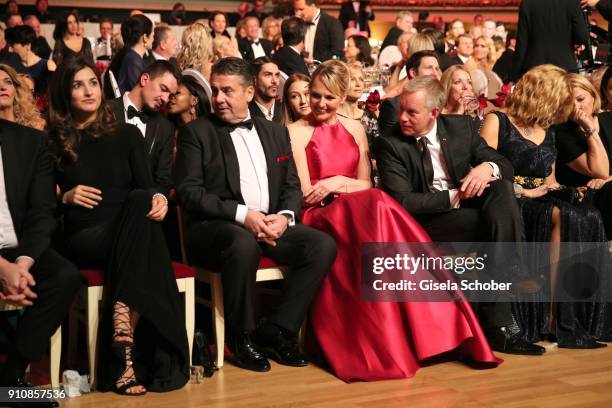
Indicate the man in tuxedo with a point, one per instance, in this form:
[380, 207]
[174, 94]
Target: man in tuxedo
[31, 274]
[357, 14]
[503, 66]
[422, 63]
[164, 46]
[267, 82]
[324, 36]
[259, 7]
[456, 186]
[252, 46]
[463, 51]
[40, 46]
[548, 30]
[140, 106]
[238, 185]
[289, 58]
[403, 24]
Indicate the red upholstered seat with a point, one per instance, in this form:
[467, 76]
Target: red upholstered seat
[267, 263]
[95, 277]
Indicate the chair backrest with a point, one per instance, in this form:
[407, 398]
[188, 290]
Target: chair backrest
[281, 86]
[114, 84]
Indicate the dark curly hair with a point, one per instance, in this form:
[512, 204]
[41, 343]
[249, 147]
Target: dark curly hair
[64, 137]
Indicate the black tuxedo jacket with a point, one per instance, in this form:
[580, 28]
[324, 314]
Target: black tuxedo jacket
[547, 33]
[30, 187]
[208, 174]
[329, 39]
[256, 112]
[503, 66]
[448, 60]
[149, 59]
[244, 45]
[158, 144]
[400, 166]
[391, 38]
[347, 13]
[290, 61]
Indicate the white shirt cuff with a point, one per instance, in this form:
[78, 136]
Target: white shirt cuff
[26, 257]
[454, 198]
[241, 212]
[291, 216]
[496, 172]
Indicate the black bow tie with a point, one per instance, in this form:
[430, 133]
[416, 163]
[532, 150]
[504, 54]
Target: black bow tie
[310, 23]
[247, 124]
[132, 112]
[256, 42]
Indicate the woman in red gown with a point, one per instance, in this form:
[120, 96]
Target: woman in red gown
[366, 341]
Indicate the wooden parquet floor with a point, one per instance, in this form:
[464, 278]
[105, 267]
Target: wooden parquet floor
[561, 378]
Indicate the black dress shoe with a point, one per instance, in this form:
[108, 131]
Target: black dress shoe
[246, 354]
[280, 345]
[508, 341]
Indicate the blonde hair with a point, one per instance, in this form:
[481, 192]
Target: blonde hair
[196, 47]
[420, 42]
[431, 87]
[492, 54]
[217, 43]
[543, 97]
[579, 81]
[24, 109]
[447, 79]
[335, 76]
[266, 23]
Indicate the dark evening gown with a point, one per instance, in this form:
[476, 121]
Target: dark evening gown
[577, 324]
[369, 341]
[61, 51]
[116, 236]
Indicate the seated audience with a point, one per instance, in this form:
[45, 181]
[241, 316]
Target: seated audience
[217, 21]
[403, 24]
[258, 10]
[503, 66]
[469, 199]
[289, 58]
[584, 146]
[483, 59]
[252, 47]
[332, 159]
[458, 92]
[188, 103]
[164, 46]
[229, 226]
[196, 50]
[42, 12]
[69, 40]
[40, 46]
[14, 20]
[224, 47]
[464, 48]
[178, 15]
[20, 40]
[17, 104]
[270, 28]
[605, 90]
[137, 34]
[523, 135]
[139, 106]
[455, 29]
[109, 203]
[267, 82]
[324, 39]
[296, 98]
[32, 275]
[358, 50]
[356, 14]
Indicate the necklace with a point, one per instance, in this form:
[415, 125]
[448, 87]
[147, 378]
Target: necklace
[527, 131]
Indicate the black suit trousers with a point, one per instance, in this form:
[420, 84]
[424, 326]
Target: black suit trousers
[57, 281]
[493, 217]
[234, 251]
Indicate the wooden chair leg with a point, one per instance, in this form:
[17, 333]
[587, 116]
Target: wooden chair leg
[190, 314]
[92, 330]
[55, 357]
[216, 292]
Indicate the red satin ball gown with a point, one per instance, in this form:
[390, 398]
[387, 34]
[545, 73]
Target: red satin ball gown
[370, 341]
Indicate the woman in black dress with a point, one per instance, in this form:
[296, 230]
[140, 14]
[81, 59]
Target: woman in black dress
[69, 41]
[523, 134]
[584, 145]
[112, 220]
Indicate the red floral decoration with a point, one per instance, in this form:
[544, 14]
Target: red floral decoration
[502, 95]
[373, 101]
[41, 102]
[482, 101]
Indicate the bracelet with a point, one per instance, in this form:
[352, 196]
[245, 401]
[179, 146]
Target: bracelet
[588, 133]
[162, 196]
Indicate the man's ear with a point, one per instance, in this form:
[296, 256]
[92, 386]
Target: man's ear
[412, 73]
[436, 112]
[250, 92]
[144, 79]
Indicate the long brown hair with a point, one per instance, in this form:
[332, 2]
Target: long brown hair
[63, 134]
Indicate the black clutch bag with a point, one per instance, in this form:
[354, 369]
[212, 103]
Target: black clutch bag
[567, 194]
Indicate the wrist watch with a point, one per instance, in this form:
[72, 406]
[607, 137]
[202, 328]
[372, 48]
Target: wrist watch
[588, 133]
[518, 190]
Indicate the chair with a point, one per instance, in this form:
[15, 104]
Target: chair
[281, 86]
[92, 290]
[55, 353]
[114, 84]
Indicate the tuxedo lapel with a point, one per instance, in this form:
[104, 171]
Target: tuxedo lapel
[278, 111]
[151, 134]
[10, 166]
[273, 177]
[414, 155]
[446, 151]
[232, 168]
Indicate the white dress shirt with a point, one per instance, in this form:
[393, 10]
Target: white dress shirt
[135, 120]
[158, 57]
[257, 48]
[462, 58]
[441, 179]
[253, 174]
[269, 114]
[8, 237]
[310, 35]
